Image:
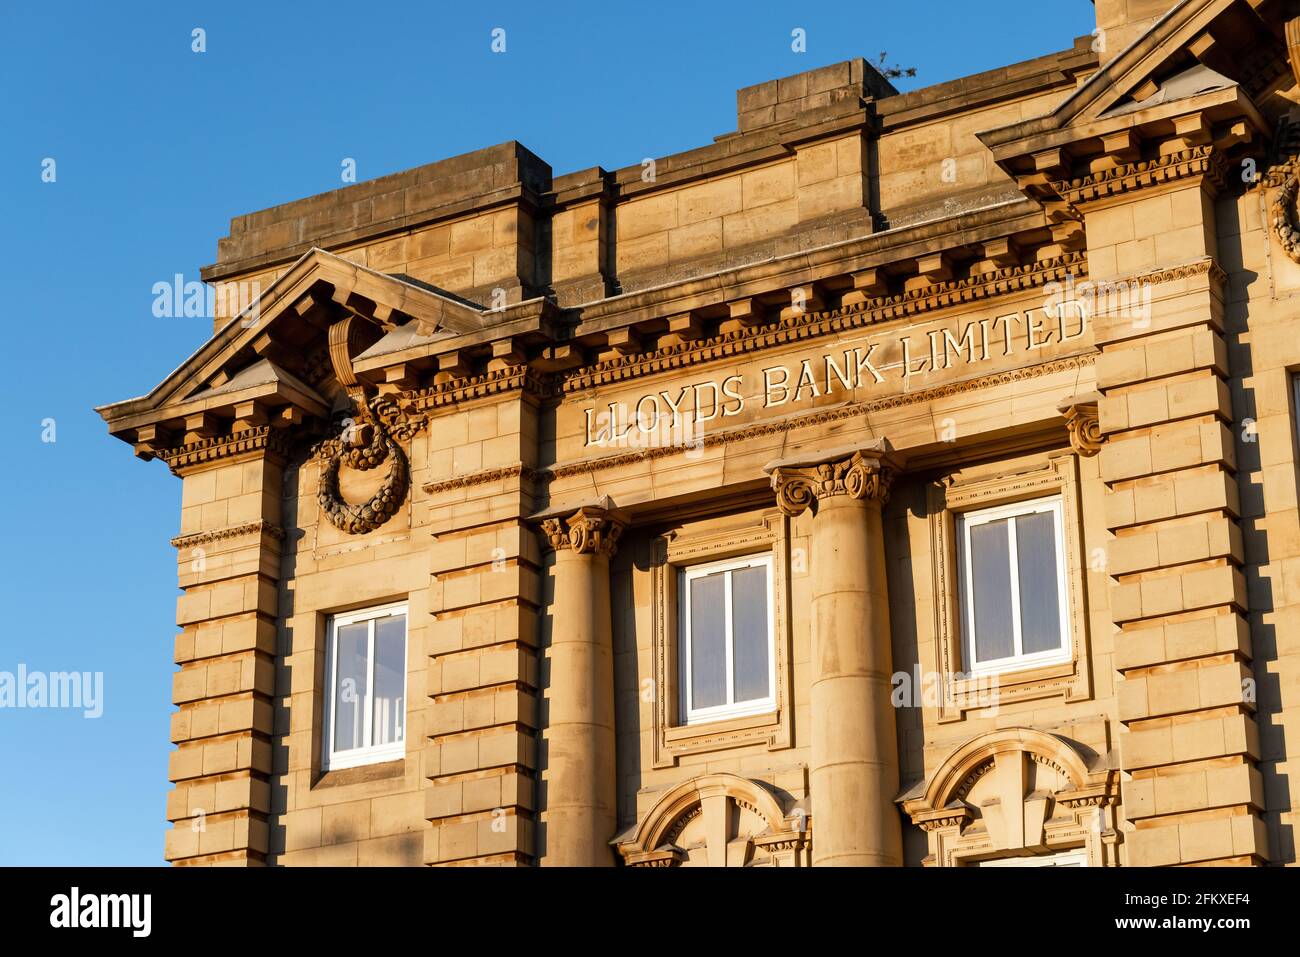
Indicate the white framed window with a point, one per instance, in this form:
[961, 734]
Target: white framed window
[1014, 592]
[365, 687]
[1076, 858]
[728, 660]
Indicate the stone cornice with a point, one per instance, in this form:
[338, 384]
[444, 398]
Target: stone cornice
[258, 527]
[1201, 267]
[509, 379]
[523, 472]
[1197, 161]
[260, 438]
[814, 324]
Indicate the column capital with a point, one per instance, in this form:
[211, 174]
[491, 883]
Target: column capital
[1081, 417]
[592, 529]
[864, 473]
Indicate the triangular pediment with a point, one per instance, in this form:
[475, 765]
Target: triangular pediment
[276, 350]
[1224, 57]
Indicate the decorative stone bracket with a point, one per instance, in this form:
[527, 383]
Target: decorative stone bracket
[1081, 418]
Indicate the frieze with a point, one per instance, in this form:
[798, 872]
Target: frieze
[716, 438]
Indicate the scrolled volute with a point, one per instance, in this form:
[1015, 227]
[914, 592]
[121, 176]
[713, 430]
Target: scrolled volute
[860, 476]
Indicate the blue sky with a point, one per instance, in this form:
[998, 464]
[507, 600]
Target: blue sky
[156, 147]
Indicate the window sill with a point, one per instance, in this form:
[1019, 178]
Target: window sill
[1016, 675]
[362, 774]
[761, 730]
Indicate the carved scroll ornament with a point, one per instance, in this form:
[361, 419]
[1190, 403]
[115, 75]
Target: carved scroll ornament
[857, 476]
[1084, 423]
[591, 530]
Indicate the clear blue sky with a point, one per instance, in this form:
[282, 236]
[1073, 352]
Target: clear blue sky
[157, 147]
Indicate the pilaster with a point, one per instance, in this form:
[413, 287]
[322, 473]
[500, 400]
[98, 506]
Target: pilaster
[1191, 788]
[228, 557]
[485, 589]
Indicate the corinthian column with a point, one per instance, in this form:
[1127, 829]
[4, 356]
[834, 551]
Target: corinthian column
[854, 773]
[580, 802]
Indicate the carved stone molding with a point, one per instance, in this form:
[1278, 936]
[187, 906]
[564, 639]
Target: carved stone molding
[1082, 420]
[1201, 267]
[234, 531]
[809, 325]
[497, 381]
[260, 438]
[380, 507]
[862, 475]
[591, 530]
[1197, 161]
[522, 472]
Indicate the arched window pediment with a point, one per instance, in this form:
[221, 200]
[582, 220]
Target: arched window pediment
[718, 820]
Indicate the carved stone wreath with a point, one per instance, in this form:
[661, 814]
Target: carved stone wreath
[364, 445]
[383, 505]
[1280, 211]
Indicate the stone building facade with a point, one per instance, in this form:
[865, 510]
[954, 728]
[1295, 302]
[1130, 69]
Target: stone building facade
[898, 479]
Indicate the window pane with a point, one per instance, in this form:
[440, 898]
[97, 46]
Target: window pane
[708, 637]
[1040, 605]
[749, 630]
[350, 686]
[990, 588]
[390, 674]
